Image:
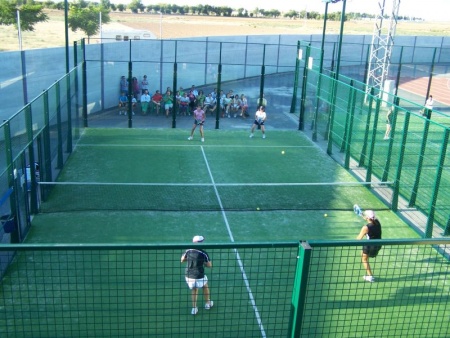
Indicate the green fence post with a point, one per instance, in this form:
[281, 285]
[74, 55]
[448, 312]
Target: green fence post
[219, 80]
[447, 227]
[399, 72]
[174, 91]
[432, 209]
[372, 141]
[299, 290]
[174, 95]
[401, 156]
[362, 157]
[31, 160]
[430, 78]
[84, 81]
[46, 175]
[319, 87]
[329, 130]
[60, 159]
[77, 87]
[301, 120]
[261, 82]
[130, 92]
[387, 164]
[297, 68]
[350, 128]
[347, 117]
[69, 113]
[426, 127]
[15, 238]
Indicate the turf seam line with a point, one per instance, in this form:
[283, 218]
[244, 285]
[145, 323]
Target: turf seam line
[238, 257]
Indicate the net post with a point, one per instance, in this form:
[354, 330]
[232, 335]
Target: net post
[299, 289]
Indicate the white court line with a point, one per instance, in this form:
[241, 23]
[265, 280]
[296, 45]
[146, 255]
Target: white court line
[241, 265]
[186, 145]
[279, 184]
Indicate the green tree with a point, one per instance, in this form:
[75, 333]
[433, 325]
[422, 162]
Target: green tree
[30, 14]
[136, 6]
[87, 18]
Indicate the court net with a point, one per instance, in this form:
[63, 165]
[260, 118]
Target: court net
[84, 196]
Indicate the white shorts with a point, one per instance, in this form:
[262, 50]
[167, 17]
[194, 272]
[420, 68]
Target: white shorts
[196, 283]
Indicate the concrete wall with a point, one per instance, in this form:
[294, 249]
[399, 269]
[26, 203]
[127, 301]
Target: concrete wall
[26, 74]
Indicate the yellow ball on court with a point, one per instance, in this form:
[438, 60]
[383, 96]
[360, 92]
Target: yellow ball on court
[325, 215]
[257, 208]
[282, 153]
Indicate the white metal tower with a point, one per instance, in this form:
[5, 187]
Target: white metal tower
[381, 47]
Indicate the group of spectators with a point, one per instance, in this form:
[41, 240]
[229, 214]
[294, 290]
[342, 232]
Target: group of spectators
[230, 104]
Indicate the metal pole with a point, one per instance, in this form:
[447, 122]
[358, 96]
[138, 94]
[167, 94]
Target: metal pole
[340, 39]
[66, 31]
[19, 31]
[160, 26]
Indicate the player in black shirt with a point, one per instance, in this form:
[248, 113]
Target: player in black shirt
[371, 230]
[195, 276]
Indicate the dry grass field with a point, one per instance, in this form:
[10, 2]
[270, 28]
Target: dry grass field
[51, 33]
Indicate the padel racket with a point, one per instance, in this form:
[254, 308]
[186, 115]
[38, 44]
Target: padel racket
[357, 210]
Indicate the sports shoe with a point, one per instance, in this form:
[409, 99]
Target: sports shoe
[251, 135]
[190, 138]
[120, 113]
[264, 135]
[386, 138]
[194, 311]
[370, 279]
[203, 140]
[209, 305]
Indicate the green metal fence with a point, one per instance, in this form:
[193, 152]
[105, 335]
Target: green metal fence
[291, 289]
[351, 118]
[36, 142]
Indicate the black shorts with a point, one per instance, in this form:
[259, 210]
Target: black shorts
[371, 250]
[199, 122]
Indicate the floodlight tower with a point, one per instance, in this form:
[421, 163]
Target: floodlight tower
[381, 47]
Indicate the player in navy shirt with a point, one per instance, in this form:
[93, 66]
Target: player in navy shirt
[195, 276]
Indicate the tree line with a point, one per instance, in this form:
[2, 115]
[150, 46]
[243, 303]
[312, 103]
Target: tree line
[84, 15]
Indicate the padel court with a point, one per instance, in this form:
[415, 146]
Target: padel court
[128, 203]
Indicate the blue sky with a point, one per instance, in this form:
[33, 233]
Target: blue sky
[435, 10]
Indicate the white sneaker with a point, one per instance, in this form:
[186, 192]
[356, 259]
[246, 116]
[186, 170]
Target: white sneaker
[386, 138]
[203, 140]
[251, 135]
[264, 135]
[209, 305]
[190, 138]
[370, 279]
[194, 311]
[120, 113]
